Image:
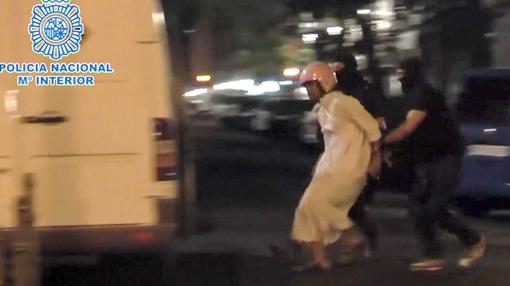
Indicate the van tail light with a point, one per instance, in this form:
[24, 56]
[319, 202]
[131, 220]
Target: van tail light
[142, 236]
[165, 141]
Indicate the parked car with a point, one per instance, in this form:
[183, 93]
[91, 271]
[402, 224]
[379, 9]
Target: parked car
[234, 111]
[282, 117]
[223, 103]
[484, 111]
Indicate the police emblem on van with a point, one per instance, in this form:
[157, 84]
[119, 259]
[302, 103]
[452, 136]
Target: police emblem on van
[56, 28]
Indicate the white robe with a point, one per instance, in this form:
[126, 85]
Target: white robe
[340, 173]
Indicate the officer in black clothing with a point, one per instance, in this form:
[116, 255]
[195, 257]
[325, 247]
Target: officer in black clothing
[435, 150]
[351, 82]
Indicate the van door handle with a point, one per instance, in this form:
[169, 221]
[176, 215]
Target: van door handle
[47, 117]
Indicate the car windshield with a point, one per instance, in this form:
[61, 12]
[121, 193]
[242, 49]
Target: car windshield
[486, 100]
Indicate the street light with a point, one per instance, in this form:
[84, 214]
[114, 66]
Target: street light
[310, 38]
[203, 78]
[291, 72]
[383, 25]
[364, 12]
[383, 13]
[334, 31]
[309, 25]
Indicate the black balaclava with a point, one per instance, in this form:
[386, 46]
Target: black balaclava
[348, 78]
[413, 73]
[348, 60]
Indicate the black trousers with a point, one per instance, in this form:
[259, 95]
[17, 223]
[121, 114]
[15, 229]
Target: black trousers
[433, 188]
[360, 216]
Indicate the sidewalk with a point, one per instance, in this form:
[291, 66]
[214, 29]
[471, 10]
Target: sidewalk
[237, 253]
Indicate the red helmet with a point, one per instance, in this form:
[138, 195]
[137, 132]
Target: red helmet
[320, 72]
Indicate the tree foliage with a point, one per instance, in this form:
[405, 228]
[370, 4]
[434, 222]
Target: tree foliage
[246, 33]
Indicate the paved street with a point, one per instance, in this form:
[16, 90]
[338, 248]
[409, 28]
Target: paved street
[248, 188]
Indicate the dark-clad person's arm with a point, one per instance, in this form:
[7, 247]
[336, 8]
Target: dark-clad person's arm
[413, 119]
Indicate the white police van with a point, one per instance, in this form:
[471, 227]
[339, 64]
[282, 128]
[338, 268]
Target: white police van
[104, 155]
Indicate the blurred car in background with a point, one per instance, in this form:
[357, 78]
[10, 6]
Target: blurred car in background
[282, 116]
[280, 109]
[484, 112]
